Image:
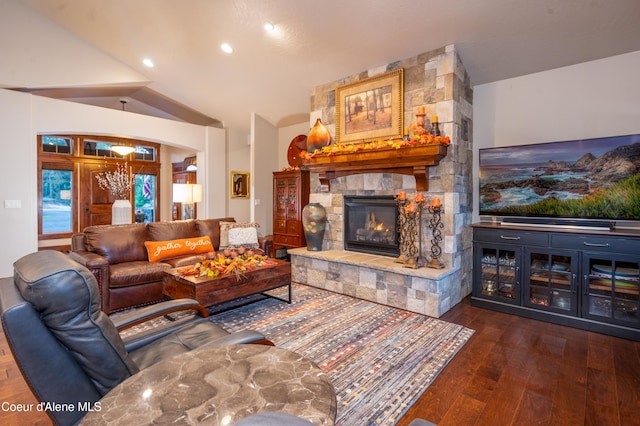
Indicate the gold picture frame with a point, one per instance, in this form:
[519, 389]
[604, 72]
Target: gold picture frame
[370, 109]
[239, 184]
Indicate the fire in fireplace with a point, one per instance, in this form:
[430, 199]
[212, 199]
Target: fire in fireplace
[370, 224]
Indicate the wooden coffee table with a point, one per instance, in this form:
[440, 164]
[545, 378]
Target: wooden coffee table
[223, 288]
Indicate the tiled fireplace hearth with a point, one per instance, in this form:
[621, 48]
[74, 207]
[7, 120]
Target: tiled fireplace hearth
[374, 277]
[436, 80]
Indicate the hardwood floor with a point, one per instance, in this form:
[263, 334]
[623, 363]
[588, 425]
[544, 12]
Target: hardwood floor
[14, 390]
[513, 371]
[518, 371]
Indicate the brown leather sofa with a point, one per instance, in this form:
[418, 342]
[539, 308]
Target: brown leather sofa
[117, 257]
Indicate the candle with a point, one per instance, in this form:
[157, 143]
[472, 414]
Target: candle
[436, 202]
[402, 196]
[406, 130]
[420, 110]
[434, 119]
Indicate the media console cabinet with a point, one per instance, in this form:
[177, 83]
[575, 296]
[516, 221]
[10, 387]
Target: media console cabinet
[583, 278]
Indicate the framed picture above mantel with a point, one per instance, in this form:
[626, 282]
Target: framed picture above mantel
[370, 109]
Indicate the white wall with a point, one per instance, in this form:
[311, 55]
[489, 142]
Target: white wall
[38, 52]
[212, 174]
[24, 116]
[583, 101]
[264, 161]
[238, 160]
[18, 172]
[285, 135]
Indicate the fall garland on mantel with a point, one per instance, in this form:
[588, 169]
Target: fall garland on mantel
[352, 148]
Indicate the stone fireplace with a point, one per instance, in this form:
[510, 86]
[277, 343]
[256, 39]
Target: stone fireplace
[370, 224]
[438, 81]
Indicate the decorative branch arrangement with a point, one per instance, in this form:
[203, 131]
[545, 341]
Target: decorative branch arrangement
[118, 182]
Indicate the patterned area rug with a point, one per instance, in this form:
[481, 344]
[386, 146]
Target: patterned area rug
[380, 359]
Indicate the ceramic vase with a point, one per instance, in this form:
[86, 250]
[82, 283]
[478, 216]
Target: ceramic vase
[121, 212]
[318, 137]
[314, 219]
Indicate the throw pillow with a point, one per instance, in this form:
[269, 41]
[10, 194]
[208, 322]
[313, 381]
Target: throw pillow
[243, 237]
[159, 250]
[234, 234]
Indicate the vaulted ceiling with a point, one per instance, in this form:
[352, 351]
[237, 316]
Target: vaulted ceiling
[314, 42]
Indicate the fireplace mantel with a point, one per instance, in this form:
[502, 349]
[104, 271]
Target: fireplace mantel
[414, 161]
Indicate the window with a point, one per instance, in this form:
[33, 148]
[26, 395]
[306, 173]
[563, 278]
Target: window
[145, 153]
[145, 198]
[102, 148]
[99, 149]
[56, 201]
[57, 144]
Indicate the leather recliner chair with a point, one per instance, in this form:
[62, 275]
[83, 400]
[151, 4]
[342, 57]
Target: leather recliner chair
[70, 352]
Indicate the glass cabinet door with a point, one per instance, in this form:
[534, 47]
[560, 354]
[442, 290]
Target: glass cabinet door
[499, 269]
[611, 289]
[550, 281]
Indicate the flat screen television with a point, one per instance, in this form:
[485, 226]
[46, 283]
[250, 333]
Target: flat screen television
[595, 181]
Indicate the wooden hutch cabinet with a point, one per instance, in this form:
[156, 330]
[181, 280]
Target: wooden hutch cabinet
[290, 195]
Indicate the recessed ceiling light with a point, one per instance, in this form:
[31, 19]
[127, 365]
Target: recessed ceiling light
[148, 62]
[268, 26]
[226, 48]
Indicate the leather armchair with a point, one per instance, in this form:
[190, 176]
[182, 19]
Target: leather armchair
[70, 352]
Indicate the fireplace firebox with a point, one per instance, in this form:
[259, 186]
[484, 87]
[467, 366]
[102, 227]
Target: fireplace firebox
[370, 224]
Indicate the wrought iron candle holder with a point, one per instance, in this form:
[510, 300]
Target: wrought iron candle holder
[435, 224]
[410, 230]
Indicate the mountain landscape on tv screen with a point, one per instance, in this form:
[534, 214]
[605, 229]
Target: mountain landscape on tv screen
[595, 178]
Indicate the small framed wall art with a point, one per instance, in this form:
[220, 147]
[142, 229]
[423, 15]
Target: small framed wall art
[239, 184]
